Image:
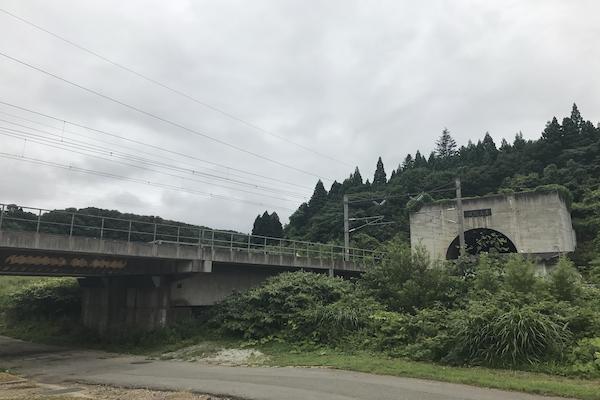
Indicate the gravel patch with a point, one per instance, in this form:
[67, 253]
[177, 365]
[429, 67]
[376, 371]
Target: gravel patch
[237, 357]
[212, 353]
[31, 390]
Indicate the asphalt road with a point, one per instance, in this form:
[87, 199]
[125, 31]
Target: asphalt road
[54, 365]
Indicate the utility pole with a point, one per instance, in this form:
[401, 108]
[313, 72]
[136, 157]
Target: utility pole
[346, 230]
[461, 217]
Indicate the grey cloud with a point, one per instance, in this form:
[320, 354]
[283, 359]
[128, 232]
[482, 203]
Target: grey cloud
[352, 79]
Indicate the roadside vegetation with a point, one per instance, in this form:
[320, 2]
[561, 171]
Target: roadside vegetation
[491, 322]
[494, 312]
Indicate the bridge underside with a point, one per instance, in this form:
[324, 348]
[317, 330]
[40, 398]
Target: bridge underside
[141, 286]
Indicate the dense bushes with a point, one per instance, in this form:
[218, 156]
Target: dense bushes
[585, 357]
[299, 306]
[46, 298]
[489, 335]
[405, 282]
[494, 311]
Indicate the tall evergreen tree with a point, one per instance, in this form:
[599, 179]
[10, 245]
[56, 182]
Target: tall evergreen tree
[356, 178]
[318, 198]
[431, 162]
[335, 192]
[519, 142]
[420, 161]
[275, 227]
[552, 132]
[576, 117]
[299, 219]
[408, 163]
[445, 147]
[380, 177]
[489, 149]
[268, 225]
[261, 223]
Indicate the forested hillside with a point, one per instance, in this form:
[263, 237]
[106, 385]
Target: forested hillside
[567, 154]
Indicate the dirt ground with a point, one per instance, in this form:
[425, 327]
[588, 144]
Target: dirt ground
[16, 388]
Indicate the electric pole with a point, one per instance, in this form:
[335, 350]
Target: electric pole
[461, 215]
[346, 230]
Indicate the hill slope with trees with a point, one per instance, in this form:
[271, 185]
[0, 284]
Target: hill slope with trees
[567, 154]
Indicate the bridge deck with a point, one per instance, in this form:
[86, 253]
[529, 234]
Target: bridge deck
[41, 253]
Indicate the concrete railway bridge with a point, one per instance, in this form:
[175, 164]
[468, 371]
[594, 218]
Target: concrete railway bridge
[142, 274]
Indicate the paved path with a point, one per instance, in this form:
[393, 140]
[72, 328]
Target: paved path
[51, 364]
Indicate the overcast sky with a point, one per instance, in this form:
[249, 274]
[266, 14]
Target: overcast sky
[353, 80]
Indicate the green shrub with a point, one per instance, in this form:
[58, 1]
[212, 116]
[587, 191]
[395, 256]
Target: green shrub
[285, 305]
[390, 332]
[428, 332]
[593, 275]
[519, 276]
[585, 358]
[420, 337]
[333, 323]
[405, 280]
[488, 274]
[488, 334]
[564, 283]
[582, 320]
[49, 298]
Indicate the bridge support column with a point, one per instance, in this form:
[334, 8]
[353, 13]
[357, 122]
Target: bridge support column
[118, 305]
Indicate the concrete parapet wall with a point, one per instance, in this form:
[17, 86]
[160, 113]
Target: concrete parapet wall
[181, 253]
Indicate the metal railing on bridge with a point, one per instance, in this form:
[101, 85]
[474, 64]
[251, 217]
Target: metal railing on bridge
[73, 223]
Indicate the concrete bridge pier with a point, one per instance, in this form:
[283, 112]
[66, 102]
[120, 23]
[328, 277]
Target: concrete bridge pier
[114, 305]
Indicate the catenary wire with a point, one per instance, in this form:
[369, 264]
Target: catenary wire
[131, 157]
[4, 132]
[170, 88]
[135, 180]
[177, 153]
[185, 128]
[137, 150]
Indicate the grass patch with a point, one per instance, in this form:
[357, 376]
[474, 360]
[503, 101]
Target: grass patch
[285, 355]
[57, 332]
[11, 283]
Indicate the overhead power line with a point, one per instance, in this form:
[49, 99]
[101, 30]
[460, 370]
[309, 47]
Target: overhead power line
[160, 118]
[384, 197]
[138, 142]
[250, 181]
[170, 88]
[67, 147]
[69, 143]
[135, 180]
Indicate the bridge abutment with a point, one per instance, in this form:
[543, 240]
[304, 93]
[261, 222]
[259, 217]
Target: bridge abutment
[119, 304]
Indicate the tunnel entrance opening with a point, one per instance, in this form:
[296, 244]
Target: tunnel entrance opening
[481, 240]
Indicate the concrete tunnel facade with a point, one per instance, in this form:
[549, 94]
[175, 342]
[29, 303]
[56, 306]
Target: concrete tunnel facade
[532, 223]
